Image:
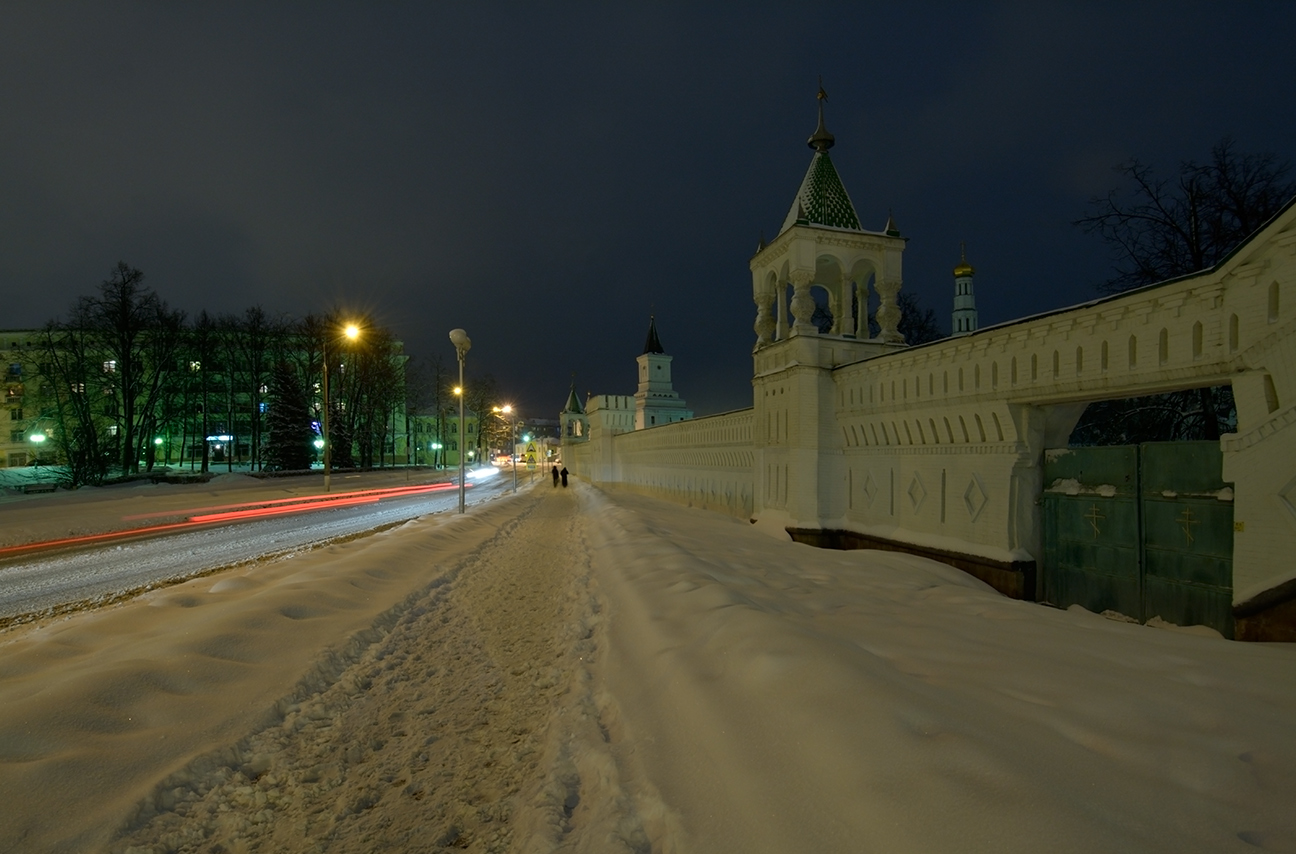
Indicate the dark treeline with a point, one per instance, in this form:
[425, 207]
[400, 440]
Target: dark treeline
[128, 382]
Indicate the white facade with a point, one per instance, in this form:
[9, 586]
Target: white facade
[939, 449]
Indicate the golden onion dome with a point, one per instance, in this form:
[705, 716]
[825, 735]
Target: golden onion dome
[963, 268]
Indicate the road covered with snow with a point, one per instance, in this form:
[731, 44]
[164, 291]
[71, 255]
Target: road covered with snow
[585, 671]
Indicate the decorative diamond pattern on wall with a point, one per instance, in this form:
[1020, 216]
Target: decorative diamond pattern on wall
[869, 488]
[916, 492]
[975, 498]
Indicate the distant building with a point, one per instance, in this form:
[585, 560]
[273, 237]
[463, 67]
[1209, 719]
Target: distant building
[965, 313]
[656, 401]
[654, 404]
[19, 349]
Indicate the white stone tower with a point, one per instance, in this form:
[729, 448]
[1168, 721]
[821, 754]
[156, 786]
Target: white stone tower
[821, 245]
[656, 401]
[965, 313]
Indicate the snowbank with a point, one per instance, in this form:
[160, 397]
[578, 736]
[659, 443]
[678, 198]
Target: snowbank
[784, 698]
[571, 670]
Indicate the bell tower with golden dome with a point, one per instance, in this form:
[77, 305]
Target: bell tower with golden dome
[965, 313]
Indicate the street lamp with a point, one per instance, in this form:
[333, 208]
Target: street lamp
[461, 344]
[37, 439]
[352, 332]
[507, 409]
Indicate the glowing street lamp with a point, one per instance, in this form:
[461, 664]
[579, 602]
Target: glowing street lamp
[507, 409]
[352, 332]
[461, 344]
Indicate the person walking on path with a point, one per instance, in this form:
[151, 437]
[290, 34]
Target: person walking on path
[555, 476]
[563, 473]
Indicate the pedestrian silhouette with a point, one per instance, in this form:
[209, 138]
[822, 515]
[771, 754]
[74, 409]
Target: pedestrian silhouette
[563, 474]
[555, 476]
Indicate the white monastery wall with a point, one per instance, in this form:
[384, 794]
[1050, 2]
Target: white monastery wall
[940, 446]
[702, 462]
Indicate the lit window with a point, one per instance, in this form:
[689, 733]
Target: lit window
[110, 366]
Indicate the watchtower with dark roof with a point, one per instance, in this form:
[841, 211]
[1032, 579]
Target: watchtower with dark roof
[656, 401]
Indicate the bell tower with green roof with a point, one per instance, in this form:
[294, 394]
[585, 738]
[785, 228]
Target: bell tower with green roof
[822, 244]
[822, 250]
[822, 198]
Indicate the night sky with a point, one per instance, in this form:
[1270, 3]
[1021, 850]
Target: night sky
[546, 176]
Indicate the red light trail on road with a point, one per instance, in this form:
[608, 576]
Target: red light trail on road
[232, 513]
[388, 492]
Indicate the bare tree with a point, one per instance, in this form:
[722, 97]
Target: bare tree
[481, 395]
[71, 383]
[427, 393]
[137, 337]
[1162, 228]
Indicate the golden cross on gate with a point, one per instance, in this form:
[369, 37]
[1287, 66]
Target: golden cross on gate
[1186, 521]
[1093, 516]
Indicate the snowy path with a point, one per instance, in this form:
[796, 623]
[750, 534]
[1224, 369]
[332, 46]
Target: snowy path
[451, 731]
[574, 671]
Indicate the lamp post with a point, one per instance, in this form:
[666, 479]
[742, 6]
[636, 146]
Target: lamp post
[353, 332]
[507, 409]
[461, 344]
[37, 439]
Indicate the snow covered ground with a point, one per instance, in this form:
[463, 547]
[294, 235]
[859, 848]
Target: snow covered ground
[584, 671]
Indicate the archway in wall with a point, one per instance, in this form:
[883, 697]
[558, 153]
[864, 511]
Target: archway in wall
[823, 317]
[1199, 414]
[1137, 518]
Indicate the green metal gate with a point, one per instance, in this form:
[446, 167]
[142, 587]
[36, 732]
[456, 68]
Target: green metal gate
[1143, 530]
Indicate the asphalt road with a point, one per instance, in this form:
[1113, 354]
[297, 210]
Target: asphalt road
[46, 582]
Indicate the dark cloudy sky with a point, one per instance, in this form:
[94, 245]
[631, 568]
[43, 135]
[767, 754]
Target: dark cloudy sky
[545, 175]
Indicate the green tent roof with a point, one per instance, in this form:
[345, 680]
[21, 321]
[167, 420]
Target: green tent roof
[822, 199]
[573, 402]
